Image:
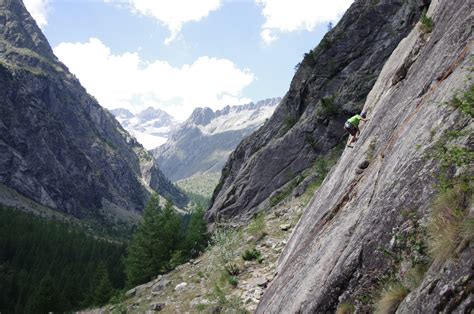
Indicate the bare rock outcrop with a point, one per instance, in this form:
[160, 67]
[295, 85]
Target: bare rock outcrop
[331, 82]
[340, 249]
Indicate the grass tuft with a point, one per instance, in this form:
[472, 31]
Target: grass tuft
[449, 224]
[345, 308]
[257, 226]
[390, 297]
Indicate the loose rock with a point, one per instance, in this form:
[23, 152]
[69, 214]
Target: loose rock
[180, 286]
[285, 227]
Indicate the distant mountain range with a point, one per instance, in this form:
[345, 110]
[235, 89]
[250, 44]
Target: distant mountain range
[151, 127]
[202, 144]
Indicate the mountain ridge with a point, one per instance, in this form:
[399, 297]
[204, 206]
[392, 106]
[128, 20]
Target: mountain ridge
[202, 143]
[58, 146]
[151, 126]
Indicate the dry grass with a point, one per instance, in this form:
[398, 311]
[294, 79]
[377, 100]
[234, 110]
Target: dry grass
[415, 276]
[345, 308]
[257, 226]
[449, 224]
[390, 297]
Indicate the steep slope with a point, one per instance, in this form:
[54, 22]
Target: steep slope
[364, 225]
[58, 147]
[151, 127]
[332, 82]
[202, 144]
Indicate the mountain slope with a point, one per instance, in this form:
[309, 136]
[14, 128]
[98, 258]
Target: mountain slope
[331, 83]
[202, 143]
[151, 127]
[365, 227]
[57, 145]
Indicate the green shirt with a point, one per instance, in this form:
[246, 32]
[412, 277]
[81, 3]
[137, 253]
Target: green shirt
[355, 120]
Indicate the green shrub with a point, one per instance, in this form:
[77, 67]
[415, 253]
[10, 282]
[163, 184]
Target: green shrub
[277, 198]
[251, 255]
[426, 23]
[451, 155]
[200, 307]
[288, 124]
[390, 297]
[328, 106]
[233, 281]
[308, 58]
[325, 43]
[465, 103]
[225, 243]
[225, 303]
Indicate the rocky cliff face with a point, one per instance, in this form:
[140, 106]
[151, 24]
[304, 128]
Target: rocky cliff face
[356, 232]
[57, 145]
[202, 144]
[332, 83]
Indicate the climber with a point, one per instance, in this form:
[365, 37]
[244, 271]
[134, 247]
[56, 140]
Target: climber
[352, 126]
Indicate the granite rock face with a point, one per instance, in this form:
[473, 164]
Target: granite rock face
[336, 252]
[331, 83]
[58, 146]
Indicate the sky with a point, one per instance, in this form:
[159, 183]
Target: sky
[177, 55]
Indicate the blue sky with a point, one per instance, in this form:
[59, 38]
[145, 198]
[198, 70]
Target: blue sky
[180, 54]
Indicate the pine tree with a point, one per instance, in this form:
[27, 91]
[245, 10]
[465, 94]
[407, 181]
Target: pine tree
[158, 239]
[170, 237]
[103, 288]
[196, 233]
[140, 263]
[45, 298]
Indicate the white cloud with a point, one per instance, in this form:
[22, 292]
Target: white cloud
[38, 9]
[267, 36]
[126, 81]
[173, 13]
[289, 16]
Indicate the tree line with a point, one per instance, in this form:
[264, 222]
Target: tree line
[50, 266]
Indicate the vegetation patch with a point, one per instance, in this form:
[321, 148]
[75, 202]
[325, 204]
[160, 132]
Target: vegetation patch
[163, 240]
[43, 265]
[464, 102]
[328, 106]
[309, 58]
[427, 23]
[223, 301]
[390, 297]
[450, 224]
[345, 308]
[225, 242]
[279, 196]
[202, 185]
[257, 226]
[252, 255]
[452, 155]
[288, 124]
